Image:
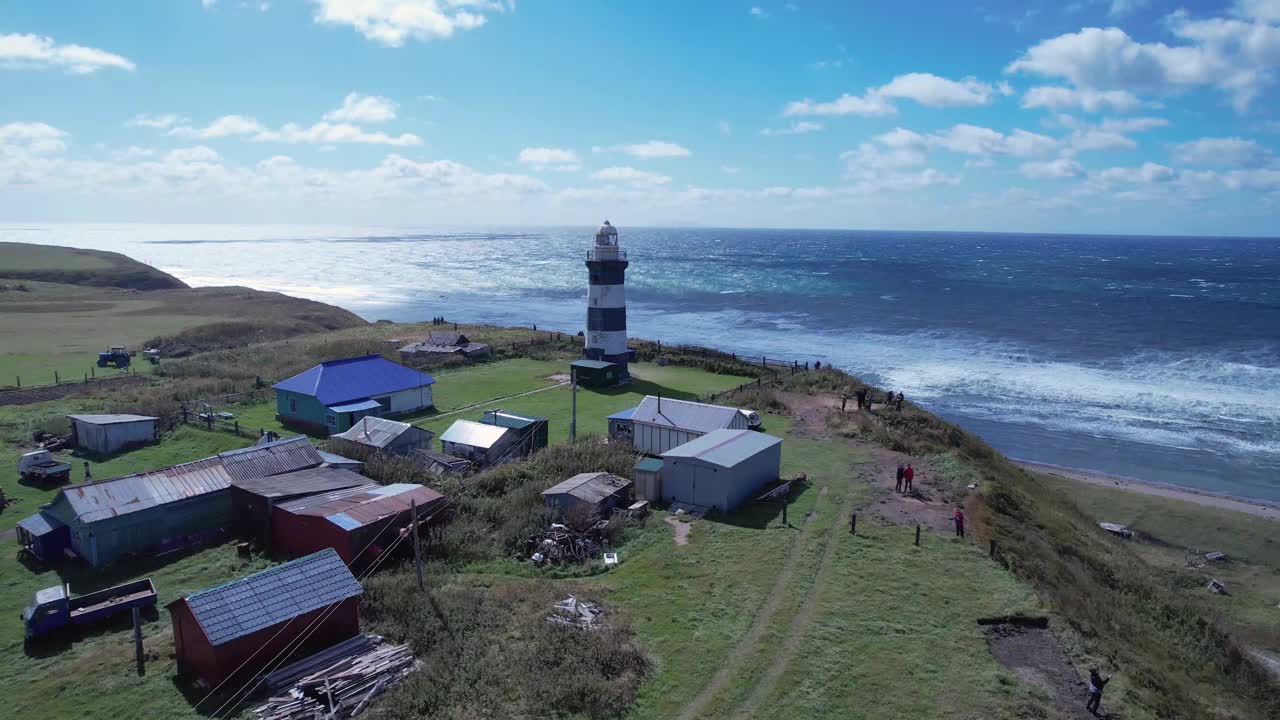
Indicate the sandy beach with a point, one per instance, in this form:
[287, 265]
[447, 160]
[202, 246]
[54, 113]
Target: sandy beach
[1200, 497]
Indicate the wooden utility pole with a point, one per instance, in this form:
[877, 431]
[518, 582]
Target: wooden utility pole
[417, 550]
[137, 641]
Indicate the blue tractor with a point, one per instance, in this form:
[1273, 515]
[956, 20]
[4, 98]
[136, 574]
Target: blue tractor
[117, 356]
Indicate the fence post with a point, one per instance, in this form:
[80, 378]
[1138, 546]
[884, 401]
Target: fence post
[137, 641]
[56, 380]
[764, 361]
[19, 379]
[853, 524]
[992, 553]
[917, 536]
[237, 428]
[93, 371]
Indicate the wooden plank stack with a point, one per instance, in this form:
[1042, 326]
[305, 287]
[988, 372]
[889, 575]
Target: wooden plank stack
[343, 688]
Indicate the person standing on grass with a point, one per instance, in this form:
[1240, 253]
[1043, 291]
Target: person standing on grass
[1096, 683]
[902, 472]
[908, 475]
[959, 518]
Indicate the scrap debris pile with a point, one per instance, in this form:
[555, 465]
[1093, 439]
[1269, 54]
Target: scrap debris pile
[337, 683]
[573, 612]
[561, 543]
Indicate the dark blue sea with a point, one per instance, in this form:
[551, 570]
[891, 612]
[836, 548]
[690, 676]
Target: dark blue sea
[1151, 357]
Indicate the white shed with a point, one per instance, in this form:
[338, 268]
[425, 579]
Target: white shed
[106, 434]
[477, 442]
[659, 424]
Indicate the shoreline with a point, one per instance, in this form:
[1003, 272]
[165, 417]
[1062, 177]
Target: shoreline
[1206, 498]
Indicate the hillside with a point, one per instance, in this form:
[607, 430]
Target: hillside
[739, 615]
[74, 266]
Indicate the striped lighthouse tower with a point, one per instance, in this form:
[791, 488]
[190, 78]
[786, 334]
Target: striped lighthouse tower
[607, 301]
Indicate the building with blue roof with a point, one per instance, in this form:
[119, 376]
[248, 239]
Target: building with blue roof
[334, 395]
[237, 628]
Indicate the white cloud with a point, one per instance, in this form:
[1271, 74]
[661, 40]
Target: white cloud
[630, 176]
[35, 51]
[33, 138]
[1263, 10]
[1229, 152]
[159, 122]
[975, 140]
[1146, 173]
[650, 149]
[757, 12]
[801, 127]
[544, 158]
[357, 108]
[884, 164]
[901, 138]
[321, 133]
[934, 91]
[1235, 56]
[725, 129]
[391, 22]
[730, 170]
[1110, 134]
[1098, 139]
[923, 88]
[398, 174]
[1121, 8]
[208, 3]
[1064, 98]
[1063, 167]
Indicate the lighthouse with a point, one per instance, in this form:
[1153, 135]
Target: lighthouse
[606, 339]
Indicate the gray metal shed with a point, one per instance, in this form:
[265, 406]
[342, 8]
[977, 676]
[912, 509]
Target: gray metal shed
[721, 469]
[660, 424]
[599, 491]
[106, 434]
[389, 436]
[477, 442]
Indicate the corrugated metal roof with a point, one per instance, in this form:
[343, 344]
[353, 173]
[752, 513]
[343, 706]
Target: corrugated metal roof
[273, 596]
[378, 432]
[652, 465]
[357, 406]
[362, 505]
[120, 496]
[474, 434]
[725, 448]
[449, 461]
[334, 460]
[312, 480]
[272, 458]
[684, 414]
[338, 381]
[40, 524]
[110, 419]
[623, 414]
[447, 338]
[509, 420]
[590, 487]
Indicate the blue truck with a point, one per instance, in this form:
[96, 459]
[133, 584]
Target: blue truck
[54, 608]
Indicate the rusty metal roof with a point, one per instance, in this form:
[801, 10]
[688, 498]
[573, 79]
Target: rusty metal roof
[355, 507]
[96, 501]
[590, 487]
[272, 458]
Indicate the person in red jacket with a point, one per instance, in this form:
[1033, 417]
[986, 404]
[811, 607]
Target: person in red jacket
[907, 476]
[959, 518]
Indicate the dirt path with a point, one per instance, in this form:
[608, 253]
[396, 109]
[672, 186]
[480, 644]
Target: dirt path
[1199, 497]
[682, 530]
[763, 620]
[1034, 655]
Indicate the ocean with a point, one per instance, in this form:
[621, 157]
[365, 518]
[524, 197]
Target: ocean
[1150, 357]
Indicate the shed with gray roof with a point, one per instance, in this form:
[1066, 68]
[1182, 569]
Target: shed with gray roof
[659, 424]
[382, 435]
[599, 491]
[107, 434]
[480, 443]
[235, 629]
[721, 469]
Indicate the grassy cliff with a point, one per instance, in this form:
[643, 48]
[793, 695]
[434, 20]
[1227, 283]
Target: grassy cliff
[73, 266]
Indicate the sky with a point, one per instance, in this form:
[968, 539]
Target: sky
[1086, 116]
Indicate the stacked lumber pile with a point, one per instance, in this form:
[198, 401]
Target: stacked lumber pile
[338, 683]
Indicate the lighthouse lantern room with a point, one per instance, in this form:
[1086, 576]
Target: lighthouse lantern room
[606, 339]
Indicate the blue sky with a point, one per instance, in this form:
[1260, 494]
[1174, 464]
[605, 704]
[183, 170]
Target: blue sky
[1124, 116]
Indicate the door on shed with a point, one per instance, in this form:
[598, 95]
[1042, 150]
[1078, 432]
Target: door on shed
[706, 487]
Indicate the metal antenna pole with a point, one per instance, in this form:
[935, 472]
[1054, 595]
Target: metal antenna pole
[417, 552]
[573, 420]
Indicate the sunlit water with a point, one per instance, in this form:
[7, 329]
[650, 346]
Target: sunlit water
[1156, 358]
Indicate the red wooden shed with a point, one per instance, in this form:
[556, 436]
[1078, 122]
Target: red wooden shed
[238, 628]
[360, 522]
